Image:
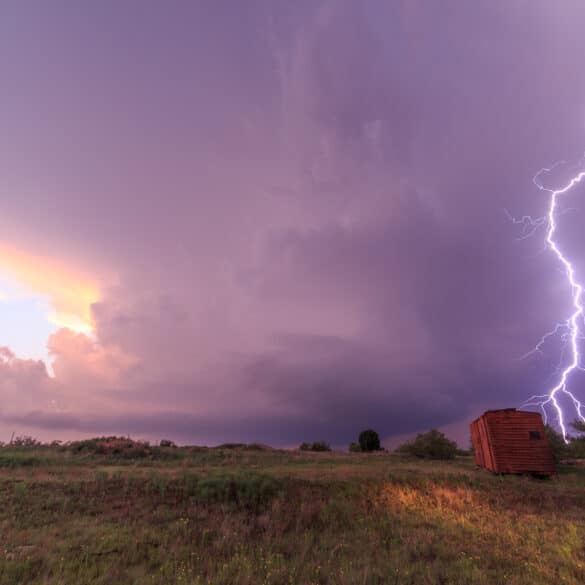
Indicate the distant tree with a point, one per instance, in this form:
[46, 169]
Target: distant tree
[369, 440]
[321, 446]
[354, 448]
[430, 445]
[316, 446]
[167, 443]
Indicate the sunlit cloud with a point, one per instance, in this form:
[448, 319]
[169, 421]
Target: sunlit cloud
[70, 291]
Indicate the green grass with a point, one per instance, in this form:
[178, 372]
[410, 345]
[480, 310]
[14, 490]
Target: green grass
[245, 516]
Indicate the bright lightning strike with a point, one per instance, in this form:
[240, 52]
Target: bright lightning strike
[569, 330]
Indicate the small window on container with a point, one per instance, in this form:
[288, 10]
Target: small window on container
[535, 435]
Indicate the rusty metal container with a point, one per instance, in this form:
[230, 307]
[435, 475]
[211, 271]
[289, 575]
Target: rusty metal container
[512, 441]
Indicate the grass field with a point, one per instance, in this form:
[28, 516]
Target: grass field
[236, 515]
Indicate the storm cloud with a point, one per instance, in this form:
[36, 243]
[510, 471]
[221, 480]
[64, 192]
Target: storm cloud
[295, 212]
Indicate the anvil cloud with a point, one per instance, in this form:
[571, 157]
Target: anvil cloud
[289, 217]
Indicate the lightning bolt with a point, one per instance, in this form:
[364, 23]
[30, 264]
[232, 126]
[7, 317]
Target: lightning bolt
[569, 330]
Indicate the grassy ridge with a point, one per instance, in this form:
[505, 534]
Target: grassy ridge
[236, 515]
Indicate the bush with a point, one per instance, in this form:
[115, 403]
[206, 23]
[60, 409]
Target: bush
[167, 443]
[556, 443]
[316, 446]
[231, 446]
[25, 441]
[258, 447]
[576, 448]
[354, 448]
[321, 446]
[117, 447]
[431, 445]
[251, 490]
[369, 440]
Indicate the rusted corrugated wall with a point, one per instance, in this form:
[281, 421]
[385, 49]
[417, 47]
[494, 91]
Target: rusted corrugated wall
[512, 441]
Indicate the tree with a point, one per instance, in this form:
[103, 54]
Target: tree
[369, 440]
[430, 445]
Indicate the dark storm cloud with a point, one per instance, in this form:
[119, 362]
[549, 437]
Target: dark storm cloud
[302, 205]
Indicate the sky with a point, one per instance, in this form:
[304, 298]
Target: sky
[280, 221]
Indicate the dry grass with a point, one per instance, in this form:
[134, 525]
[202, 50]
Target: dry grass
[270, 517]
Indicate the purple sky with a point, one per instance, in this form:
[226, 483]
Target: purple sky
[286, 219]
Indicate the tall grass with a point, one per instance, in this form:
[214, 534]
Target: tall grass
[292, 519]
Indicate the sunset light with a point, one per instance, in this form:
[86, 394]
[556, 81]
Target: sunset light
[69, 292]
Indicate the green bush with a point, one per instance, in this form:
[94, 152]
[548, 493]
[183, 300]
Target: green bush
[556, 443]
[316, 446]
[369, 440]
[167, 443]
[251, 491]
[354, 448]
[576, 447]
[258, 447]
[231, 446]
[430, 445]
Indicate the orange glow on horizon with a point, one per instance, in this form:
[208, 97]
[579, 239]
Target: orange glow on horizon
[70, 291]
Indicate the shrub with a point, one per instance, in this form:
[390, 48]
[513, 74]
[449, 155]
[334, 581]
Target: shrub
[251, 491]
[430, 445]
[321, 446]
[369, 440]
[556, 443]
[258, 447]
[576, 448]
[354, 448]
[117, 447]
[231, 446]
[167, 443]
[316, 446]
[24, 441]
